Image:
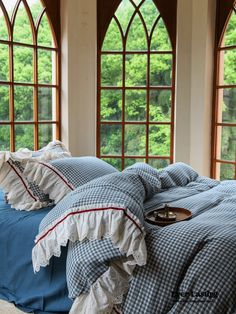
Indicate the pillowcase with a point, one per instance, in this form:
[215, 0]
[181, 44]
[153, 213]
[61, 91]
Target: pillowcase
[59, 177]
[21, 193]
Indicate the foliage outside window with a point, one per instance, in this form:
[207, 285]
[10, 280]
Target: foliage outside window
[224, 159]
[136, 88]
[29, 91]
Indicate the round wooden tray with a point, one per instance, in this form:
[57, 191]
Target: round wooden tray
[181, 214]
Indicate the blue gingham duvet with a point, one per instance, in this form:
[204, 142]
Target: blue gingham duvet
[190, 266]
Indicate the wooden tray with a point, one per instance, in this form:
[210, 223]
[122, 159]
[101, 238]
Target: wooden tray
[181, 214]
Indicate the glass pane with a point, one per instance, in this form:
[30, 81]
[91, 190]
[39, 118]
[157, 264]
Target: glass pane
[160, 106]
[111, 105]
[228, 67]
[115, 162]
[158, 163]
[45, 37]
[4, 103]
[227, 141]
[159, 140]
[45, 134]
[24, 136]
[111, 139]
[3, 26]
[131, 161]
[23, 103]
[150, 13]
[160, 38]
[22, 30]
[135, 140]
[35, 8]
[46, 66]
[136, 70]
[225, 171]
[4, 137]
[46, 103]
[23, 64]
[4, 62]
[111, 70]
[227, 101]
[161, 70]
[135, 105]
[230, 33]
[9, 6]
[124, 13]
[136, 39]
[113, 40]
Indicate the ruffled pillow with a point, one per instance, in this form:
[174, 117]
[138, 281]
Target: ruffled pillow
[22, 193]
[59, 177]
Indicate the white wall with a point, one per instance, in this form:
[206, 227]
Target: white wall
[195, 39]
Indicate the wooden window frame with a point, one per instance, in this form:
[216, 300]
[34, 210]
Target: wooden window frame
[106, 11]
[52, 10]
[224, 9]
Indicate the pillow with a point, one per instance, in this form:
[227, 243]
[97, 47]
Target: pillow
[21, 193]
[59, 177]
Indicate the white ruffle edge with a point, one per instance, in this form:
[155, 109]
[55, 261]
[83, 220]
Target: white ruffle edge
[47, 180]
[92, 225]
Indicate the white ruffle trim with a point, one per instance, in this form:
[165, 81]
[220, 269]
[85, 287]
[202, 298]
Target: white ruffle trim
[92, 222]
[47, 180]
[104, 293]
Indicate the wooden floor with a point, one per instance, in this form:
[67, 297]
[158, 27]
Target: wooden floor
[8, 308]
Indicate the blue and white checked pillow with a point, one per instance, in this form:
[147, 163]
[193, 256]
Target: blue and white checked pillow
[59, 177]
[22, 193]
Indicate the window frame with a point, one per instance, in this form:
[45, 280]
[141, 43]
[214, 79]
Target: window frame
[52, 11]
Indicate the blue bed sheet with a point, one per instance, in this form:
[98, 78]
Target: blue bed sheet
[42, 293]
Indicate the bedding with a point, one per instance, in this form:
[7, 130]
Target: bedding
[59, 177]
[22, 193]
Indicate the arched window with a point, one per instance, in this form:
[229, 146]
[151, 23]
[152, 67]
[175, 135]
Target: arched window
[136, 84]
[224, 124]
[29, 78]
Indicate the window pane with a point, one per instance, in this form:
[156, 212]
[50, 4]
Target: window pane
[35, 8]
[24, 136]
[124, 13]
[45, 134]
[9, 6]
[136, 70]
[23, 103]
[46, 103]
[230, 34]
[111, 105]
[159, 140]
[227, 101]
[227, 137]
[22, 30]
[160, 106]
[4, 62]
[136, 39]
[135, 105]
[112, 40]
[45, 37]
[4, 137]
[23, 64]
[131, 161]
[111, 70]
[115, 162]
[160, 38]
[158, 163]
[161, 70]
[150, 13]
[135, 140]
[227, 67]
[3, 26]
[111, 139]
[225, 171]
[4, 103]
[46, 66]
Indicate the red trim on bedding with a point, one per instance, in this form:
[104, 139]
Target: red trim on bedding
[87, 211]
[20, 177]
[59, 175]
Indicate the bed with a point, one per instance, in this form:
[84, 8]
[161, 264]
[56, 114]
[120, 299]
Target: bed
[187, 267]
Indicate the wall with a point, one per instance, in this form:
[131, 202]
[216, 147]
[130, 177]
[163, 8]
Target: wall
[195, 39]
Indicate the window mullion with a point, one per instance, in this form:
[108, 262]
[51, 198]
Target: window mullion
[35, 106]
[11, 98]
